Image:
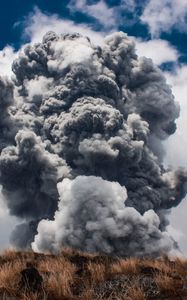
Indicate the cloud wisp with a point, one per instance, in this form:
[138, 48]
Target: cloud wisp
[106, 16]
[164, 15]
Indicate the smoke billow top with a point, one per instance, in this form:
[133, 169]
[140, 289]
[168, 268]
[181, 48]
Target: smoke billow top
[81, 147]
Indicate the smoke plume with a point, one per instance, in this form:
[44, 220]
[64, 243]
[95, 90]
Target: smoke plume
[81, 147]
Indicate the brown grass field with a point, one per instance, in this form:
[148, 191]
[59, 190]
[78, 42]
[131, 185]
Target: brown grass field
[73, 275]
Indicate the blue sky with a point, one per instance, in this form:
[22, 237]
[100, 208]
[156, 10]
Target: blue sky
[159, 28]
[128, 15]
[13, 14]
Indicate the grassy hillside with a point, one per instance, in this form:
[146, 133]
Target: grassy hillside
[74, 275]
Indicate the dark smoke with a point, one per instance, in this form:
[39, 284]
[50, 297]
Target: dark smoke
[81, 147]
[6, 100]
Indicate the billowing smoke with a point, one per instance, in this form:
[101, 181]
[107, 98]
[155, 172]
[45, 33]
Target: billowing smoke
[93, 217]
[81, 147]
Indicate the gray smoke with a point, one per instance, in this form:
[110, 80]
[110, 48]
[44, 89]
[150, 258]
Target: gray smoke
[81, 164]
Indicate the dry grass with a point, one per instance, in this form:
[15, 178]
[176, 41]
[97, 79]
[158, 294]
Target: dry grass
[73, 275]
[59, 285]
[32, 296]
[169, 285]
[9, 277]
[126, 266]
[165, 283]
[97, 272]
[159, 265]
[135, 293]
[58, 274]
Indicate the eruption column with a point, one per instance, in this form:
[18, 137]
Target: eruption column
[81, 147]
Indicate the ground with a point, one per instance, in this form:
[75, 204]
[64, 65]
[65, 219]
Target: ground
[73, 275]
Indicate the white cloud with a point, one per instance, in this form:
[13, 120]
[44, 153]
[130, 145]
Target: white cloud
[177, 144]
[177, 149]
[100, 11]
[177, 227]
[128, 4]
[38, 24]
[162, 15]
[7, 56]
[179, 237]
[159, 50]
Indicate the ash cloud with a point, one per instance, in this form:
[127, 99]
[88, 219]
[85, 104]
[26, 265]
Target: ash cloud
[82, 163]
[6, 100]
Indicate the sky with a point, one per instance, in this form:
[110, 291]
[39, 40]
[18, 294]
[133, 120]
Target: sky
[159, 28]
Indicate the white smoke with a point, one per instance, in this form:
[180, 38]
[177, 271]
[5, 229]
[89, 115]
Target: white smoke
[92, 217]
